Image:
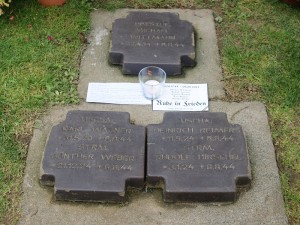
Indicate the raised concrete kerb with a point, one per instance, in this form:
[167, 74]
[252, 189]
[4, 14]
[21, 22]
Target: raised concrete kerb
[261, 204]
[96, 68]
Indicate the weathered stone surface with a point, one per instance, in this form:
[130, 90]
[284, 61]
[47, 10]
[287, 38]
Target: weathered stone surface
[261, 204]
[94, 156]
[152, 38]
[198, 156]
[94, 62]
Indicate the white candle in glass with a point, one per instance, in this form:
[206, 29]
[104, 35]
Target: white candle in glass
[152, 89]
[152, 79]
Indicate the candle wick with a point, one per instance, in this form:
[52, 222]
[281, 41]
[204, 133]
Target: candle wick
[149, 72]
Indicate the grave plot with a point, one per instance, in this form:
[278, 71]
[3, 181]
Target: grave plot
[94, 156]
[197, 157]
[150, 38]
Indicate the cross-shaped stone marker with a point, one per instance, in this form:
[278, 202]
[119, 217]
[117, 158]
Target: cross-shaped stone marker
[198, 157]
[151, 38]
[94, 156]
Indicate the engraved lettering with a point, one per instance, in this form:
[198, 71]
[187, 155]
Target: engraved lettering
[218, 130]
[151, 24]
[179, 130]
[172, 157]
[69, 156]
[200, 148]
[152, 37]
[229, 156]
[117, 157]
[72, 166]
[206, 157]
[77, 137]
[179, 167]
[102, 129]
[150, 44]
[195, 120]
[219, 138]
[151, 30]
[71, 128]
[178, 138]
[112, 167]
[219, 166]
[93, 147]
[115, 139]
[122, 130]
[97, 119]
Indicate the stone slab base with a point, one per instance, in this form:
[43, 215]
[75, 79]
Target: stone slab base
[96, 68]
[261, 204]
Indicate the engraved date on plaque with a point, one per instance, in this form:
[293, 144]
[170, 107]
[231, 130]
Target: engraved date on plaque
[151, 38]
[198, 157]
[92, 152]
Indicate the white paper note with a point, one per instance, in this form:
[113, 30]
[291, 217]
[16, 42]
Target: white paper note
[116, 93]
[183, 97]
[175, 97]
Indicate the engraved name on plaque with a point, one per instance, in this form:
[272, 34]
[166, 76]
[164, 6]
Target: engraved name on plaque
[197, 157]
[94, 156]
[151, 38]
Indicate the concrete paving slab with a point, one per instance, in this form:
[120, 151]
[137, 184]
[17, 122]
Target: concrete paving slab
[96, 68]
[261, 204]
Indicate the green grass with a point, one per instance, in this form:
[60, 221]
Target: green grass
[267, 52]
[39, 65]
[40, 50]
[261, 51]
[261, 48]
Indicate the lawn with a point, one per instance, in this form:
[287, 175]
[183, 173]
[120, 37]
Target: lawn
[40, 51]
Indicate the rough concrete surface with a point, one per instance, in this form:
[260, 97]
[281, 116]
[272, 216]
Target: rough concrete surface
[95, 66]
[261, 204]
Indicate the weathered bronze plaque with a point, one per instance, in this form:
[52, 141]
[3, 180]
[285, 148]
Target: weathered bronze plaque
[198, 157]
[94, 156]
[151, 38]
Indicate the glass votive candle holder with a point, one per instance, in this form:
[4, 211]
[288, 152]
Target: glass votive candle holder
[152, 80]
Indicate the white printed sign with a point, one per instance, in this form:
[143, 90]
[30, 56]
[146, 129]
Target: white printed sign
[117, 93]
[175, 97]
[183, 97]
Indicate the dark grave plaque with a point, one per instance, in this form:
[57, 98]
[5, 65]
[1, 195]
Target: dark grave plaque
[94, 156]
[152, 38]
[198, 157]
